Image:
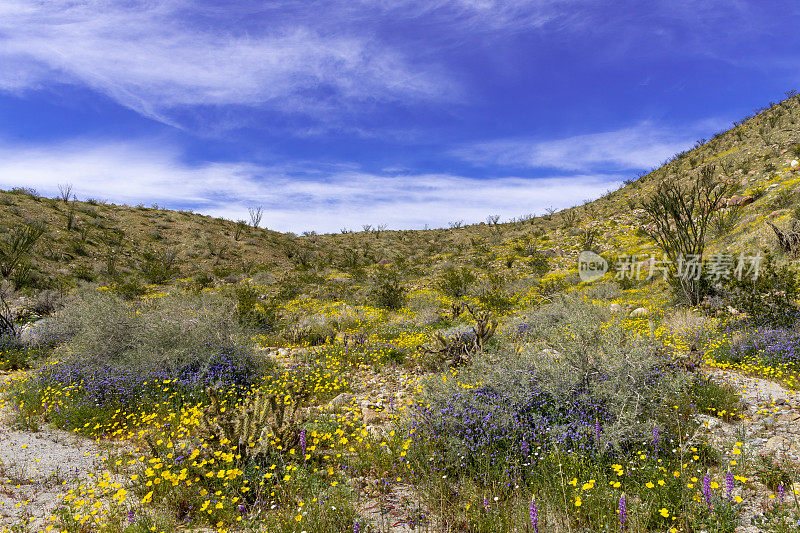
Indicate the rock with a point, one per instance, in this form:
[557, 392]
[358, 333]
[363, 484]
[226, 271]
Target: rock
[777, 443]
[551, 352]
[739, 200]
[794, 164]
[615, 308]
[708, 421]
[780, 401]
[640, 311]
[343, 399]
[788, 417]
[375, 431]
[33, 333]
[370, 416]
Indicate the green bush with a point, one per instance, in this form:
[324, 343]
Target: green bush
[129, 287]
[770, 298]
[178, 335]
[455, 282]
[386, 289]
[583, 376]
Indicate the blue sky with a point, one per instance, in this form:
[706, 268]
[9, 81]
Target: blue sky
[348, 112]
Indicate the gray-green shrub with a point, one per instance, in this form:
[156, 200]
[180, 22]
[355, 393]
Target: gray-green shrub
[586, 389]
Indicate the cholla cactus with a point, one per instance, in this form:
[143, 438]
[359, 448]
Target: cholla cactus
[484, 327]
[456, 349]
[261, 421]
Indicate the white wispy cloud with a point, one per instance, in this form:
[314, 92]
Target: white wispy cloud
[637, 147]
[295, 197]
[149, 56]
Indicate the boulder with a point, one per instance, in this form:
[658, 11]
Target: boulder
[370, 417]
[737, 200]
[33, 333]
[640, 311]
[615, 308]
[341, 400]
[777, 443]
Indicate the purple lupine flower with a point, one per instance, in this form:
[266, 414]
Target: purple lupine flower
[130, 516]
[623, 512]
[655, 437]
[356, 526]
[781, 491]
[707, 489]
[729, 484]
[534, 516]
[303, 443]
[485, 503]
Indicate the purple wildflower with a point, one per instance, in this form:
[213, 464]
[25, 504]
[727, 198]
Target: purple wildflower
[303, 443]
[781, 491]
[655, 437]
[534, 516]
[729, 483]
[131, 516]
[623, 512]
[707, 489]
[356, 526]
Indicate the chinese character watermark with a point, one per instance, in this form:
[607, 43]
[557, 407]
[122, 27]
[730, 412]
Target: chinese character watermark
[715, 267]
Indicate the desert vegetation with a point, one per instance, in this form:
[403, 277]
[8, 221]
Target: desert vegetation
[460, 379]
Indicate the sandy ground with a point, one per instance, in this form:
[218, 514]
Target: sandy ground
[36, 467]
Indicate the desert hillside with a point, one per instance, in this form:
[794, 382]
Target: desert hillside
[164, 370]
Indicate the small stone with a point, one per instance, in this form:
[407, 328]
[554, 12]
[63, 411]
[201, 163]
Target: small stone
[370, 416]
[777, 443]
[342, 399]
[640, 311]
[615, 308]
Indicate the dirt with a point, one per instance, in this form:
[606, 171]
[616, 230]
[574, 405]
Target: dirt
[37, 468]
[770, 427]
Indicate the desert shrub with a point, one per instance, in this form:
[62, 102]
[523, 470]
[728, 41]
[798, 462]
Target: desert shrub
[784, 198]
[16, 245]
[117, 353]
[773, 472]
[129, 287]
[254, 312]
[493, 293]
[455, 282]
[768, 299]
[726, 220]
[603, 290]
[386, 289]
[592, 392]
[712, 398]
[158, 266]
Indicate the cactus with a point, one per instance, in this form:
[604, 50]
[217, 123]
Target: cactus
[262, 421]
[484, 327]
[455, 350]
